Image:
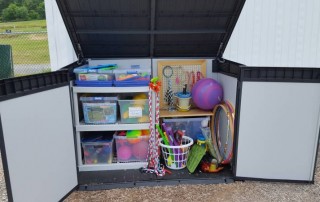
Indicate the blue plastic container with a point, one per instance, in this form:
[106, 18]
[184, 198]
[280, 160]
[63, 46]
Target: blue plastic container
[99, 110]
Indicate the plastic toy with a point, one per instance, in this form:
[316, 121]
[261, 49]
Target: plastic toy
[201, 141]
[141, 96]
[124, 152]
[133, 133]
[133, 136]
[196, 154]
[206, 93]
[140, 150]
[122, 133]
[145, 132]
[210, 165]
[225, 149]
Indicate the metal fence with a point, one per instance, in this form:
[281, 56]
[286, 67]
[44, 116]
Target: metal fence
[30, 52]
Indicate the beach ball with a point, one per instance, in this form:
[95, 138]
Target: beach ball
[207, 93]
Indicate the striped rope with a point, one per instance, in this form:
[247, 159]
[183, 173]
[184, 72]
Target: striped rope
[153, 153]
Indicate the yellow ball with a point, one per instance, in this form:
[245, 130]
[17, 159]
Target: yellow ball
[140, 96]
[125, 115]
[143, 119]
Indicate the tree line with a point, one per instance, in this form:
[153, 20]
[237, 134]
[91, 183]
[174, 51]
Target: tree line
[19, 10]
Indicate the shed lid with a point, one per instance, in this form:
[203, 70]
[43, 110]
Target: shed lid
[150, 28]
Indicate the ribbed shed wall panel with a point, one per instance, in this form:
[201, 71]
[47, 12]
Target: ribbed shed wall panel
[277, 33]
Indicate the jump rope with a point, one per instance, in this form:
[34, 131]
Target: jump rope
[154, 165]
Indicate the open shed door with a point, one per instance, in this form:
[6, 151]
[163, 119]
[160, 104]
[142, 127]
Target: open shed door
[279, 122]
[37, 138]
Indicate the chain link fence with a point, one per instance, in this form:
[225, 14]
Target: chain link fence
[30, 53]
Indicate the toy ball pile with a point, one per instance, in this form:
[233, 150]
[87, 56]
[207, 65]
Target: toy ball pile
[132, 145]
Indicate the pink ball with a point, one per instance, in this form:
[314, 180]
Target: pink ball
[207, 93]
[124, 153]
[140, 150]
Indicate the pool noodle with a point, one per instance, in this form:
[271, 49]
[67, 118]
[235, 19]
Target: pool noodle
[165, 140]
[176, 152]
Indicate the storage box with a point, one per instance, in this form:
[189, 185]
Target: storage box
[132, 149]
[100, 75]
[134, 111]
[99, 151]
[95, 77]
[99, 110]
[132, 77]
[190, 125]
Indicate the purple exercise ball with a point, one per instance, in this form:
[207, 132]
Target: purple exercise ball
[207, 93]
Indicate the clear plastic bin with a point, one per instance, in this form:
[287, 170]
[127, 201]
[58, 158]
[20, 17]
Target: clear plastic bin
[99, 110]
[132, 149]
[98, 152]
[101, 75]
[95, 76]
[190, 125]
[134, 111]
[132, 77]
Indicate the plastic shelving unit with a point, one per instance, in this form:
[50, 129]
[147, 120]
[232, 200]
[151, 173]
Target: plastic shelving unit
[80, 126]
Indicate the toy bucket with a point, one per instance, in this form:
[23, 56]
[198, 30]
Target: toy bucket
[183, 101]
[176, 157]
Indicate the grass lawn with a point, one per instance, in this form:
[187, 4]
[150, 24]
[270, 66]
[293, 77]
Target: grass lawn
[27, 48]
[24, 26]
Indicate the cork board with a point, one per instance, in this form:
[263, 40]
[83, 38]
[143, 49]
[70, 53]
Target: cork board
[182, 73]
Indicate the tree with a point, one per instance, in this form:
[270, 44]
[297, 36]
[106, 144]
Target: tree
[14, 12]
[10, 12]
[32, 4]
[22, 13]
[33, 15]
[41, 10]
[4, 4]
[21, 10]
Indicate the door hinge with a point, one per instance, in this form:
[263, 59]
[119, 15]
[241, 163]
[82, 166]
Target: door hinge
[80, 55]
[220, 54]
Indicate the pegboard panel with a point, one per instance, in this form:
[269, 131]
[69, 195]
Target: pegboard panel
[182, 72]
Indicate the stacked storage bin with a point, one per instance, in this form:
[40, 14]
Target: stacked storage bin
[132, 77]
[131, 149]
[110, 75]
[97, 149]
[99, 110]
[95, 76]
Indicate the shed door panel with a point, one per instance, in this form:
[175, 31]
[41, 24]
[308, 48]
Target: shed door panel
[278, 130]
[39, 151]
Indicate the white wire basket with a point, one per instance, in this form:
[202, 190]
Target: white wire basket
[176, 157]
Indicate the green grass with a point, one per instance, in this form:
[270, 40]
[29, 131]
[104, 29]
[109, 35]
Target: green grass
[24, 26]
[27, 48]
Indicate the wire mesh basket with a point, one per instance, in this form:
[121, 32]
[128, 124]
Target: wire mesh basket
[176, 157]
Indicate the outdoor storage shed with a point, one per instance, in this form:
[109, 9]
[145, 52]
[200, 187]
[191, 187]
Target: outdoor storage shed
[277, 109]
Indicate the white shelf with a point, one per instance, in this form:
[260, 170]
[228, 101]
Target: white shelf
[113, 166]
[112, 127]
[141, 89]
